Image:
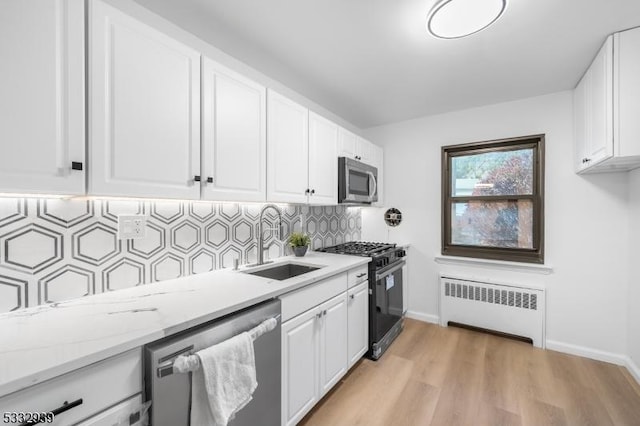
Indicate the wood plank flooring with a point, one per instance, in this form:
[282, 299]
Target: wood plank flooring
[451, 376]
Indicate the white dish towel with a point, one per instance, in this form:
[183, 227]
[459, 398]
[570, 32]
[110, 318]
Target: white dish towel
[225, 382]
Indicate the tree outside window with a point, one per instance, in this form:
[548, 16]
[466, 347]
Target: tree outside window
[492, 199]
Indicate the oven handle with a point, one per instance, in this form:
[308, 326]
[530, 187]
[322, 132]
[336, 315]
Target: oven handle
[390, 271]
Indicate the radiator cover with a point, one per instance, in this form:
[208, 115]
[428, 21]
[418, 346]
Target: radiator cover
[506, 308]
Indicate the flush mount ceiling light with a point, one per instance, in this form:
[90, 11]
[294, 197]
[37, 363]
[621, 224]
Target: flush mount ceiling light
[460, 18]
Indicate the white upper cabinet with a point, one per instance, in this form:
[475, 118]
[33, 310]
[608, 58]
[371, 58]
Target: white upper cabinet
[42, 102]
[145, 110]
[302, 162]
[353, 146]
[626, 94]
[287, 150]
[606, 103]
[323, 160]
[234, 136]
[593, 112]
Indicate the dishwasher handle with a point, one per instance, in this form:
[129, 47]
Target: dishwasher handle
[166, 364]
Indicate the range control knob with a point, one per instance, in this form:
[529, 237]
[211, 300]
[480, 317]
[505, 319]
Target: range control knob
[401, 253]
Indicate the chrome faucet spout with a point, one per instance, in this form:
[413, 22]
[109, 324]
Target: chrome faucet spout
[260, 236]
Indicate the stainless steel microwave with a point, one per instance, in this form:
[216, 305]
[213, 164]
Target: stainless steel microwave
[357, 182]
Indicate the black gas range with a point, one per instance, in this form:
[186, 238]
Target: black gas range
[386, 312]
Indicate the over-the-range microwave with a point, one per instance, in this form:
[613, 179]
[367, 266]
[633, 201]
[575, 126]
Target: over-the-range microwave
[357, 182]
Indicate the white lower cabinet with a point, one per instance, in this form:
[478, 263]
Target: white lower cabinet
[358, 322]
[333, 342]
[125, 413]
[300, 353]
[314, 356]
[320, 340]
[87, 391]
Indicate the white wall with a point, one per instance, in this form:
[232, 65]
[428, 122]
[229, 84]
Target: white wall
[586, 220]
[634, 272]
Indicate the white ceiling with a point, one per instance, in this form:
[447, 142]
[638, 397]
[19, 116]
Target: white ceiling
[372, 62]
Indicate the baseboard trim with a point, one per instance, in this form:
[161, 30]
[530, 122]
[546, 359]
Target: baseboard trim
[633, 369]
[586, 352]
[433, 319]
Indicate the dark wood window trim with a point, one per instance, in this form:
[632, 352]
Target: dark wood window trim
[533, 255]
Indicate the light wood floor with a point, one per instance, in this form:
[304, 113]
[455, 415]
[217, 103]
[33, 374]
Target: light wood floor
[450, 376]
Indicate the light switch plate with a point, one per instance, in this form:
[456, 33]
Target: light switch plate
[132, 227]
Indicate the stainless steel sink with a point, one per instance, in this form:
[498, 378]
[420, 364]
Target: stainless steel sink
[283, 271]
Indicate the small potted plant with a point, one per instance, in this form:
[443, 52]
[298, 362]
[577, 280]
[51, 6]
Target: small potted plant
[299, 243]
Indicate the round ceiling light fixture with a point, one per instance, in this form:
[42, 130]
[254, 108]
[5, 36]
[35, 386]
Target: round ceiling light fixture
[459, 18]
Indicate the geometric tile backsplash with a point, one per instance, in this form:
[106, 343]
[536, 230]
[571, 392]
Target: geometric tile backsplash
[57, 249]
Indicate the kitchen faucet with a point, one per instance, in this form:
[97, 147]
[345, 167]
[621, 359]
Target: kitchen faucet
[260, 237]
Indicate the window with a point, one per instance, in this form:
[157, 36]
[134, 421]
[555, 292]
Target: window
[492, 199]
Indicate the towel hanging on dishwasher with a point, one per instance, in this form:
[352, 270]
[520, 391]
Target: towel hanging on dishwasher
[186, 363]
[224, 377]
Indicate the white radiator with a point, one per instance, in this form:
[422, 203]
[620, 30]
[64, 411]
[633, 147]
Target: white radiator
[511, 309]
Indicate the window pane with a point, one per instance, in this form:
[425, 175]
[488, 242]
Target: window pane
[493, 224]
[493, 173]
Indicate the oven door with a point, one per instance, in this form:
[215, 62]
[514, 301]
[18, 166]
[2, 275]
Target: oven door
[357, 182]
[388, 300]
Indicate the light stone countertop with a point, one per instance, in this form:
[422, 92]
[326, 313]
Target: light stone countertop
[46, 341]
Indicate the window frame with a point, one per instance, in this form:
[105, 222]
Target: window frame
[533, 255]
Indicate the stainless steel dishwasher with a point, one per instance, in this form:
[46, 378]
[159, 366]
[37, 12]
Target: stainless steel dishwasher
[170, 393]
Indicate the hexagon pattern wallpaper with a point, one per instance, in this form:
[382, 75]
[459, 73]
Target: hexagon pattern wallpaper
[55, 249]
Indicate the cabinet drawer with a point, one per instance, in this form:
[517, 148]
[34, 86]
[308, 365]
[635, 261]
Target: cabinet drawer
[120, 414]
[297, 302]
[100, 386]
[358, 275]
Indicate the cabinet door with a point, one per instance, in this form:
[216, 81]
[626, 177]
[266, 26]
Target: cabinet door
[600, 98]
[323, 160]
[347, 143]
[287, 150]
[627, 92]
[42, 101]
[145, 110]
[234, 138]
[333, 345]
[581, 121]
[365, 151]
[299, 365]
[358, 322]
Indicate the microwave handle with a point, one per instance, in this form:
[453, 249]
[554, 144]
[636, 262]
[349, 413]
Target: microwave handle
[372, 192]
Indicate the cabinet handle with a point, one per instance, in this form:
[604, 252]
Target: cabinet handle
[66, 406]
[586, 160]
[361, 275]
[352, 296]
[196, 178]
[209, 179]
[307, 191]
[319, 314]
[76, 165]
[313, 191]
[324, 312]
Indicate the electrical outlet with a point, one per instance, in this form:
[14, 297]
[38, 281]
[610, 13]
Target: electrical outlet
[132, 227]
